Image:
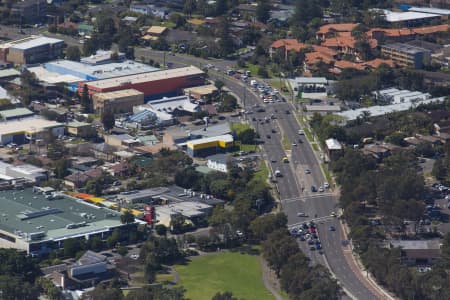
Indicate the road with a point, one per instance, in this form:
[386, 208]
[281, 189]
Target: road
[295, 186]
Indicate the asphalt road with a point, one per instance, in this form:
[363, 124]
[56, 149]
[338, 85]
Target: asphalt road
[295, 186]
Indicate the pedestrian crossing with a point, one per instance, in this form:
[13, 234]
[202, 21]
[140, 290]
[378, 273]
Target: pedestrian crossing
[304, 198]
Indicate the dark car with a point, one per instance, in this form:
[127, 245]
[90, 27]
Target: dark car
[274, 131]
[312, 248]
[318, 246]
[332, 228]
[268, 136]
[313, 189]
[288, 112]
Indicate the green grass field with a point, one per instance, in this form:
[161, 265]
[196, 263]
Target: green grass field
[238, 273]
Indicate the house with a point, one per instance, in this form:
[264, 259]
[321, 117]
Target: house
[218, 162]
[79, 179]
[155, 32]
[121, 141]
[417, 251]
[378, 150]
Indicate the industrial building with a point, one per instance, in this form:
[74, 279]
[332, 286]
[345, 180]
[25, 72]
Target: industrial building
[409, 18]
[179, 105]
[103, 57]
[81, 129]
[407, 55]
[154, 85]
[38, 224]
[210, 145]
[121, 101]
[73, 72]
[18, 131]
[395, 96]
[28, 173]
[380, 110]
[148, 118]
[15, 113]
[31, 50]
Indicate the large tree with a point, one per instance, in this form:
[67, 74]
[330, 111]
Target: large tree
[108, 120]
[73, 53]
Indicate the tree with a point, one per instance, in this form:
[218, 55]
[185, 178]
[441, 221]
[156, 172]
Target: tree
[73, 53]
[104, 292]
[219, 85]
[127, 217]
[14, 288]
[221, 7]
[247, 136]
[224, 296]
[263, 11]
[189, 7]
[71, 247]
[277, 249]
[228, 104]
[85, 99]
[62, 168]
[108, 120]
[262, 226]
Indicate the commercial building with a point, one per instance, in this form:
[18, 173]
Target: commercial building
[80, 129]
[395, 96]
[210, 145]
[148, 118]
[309, 84]
[30, 11]
[18, 131]
[73, 72]
[193, 212]
[29, 173]
[380, 110]
[200, 92]
[103, 57]
[409, 18]
[418, 251]
[407, 55]
[154, 85]
[31, 50]
[431, 10]
[38, 224]
[121, 101]
[179, 105]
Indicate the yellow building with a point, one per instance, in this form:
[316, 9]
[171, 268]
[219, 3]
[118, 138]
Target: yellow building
[210, 145]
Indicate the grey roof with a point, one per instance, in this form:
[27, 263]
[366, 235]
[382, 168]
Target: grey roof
[213, 130]
[9, 73]
[89, 258]
[416, 244]
[39, 41]
[311, 80]
[431, 10]
[50, 217]
[405, 48]
[19, 112]
[220, 158]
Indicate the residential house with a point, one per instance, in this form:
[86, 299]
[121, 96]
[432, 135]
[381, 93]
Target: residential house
[155, 32]
[79, 179]
[331, 30]
[285, 46]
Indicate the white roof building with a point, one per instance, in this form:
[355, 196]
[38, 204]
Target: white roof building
[395, 17]
[431, 10]
[170, 105]
[333, 144]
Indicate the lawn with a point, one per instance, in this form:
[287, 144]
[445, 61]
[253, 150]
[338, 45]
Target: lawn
[263, 173]
[238, 273]
[286, 143]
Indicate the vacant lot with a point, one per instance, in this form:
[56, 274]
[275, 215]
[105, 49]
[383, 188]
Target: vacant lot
[234, 272]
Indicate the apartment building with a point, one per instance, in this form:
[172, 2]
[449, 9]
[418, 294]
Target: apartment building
[407, 55]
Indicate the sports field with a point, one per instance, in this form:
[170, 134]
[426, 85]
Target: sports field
[234, 272]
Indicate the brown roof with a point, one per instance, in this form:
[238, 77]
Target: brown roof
[431, 29]
[375, 63]
[408, 31]
[314, 57]
[344, 64]
[288, 44]
[324, 50]
[337, 27]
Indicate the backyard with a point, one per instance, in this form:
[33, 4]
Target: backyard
[238, 273]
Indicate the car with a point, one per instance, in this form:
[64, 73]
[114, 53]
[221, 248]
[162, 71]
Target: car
[332, 228]
[326, 185]
[333, 214]
[307, 171]
[134, 256]
[287, 112]
[254, 119]
[294, 144]
[318, 246]
[312, 248]
[305, 226]
[285, 159]
[268, 136]
[300, 141]
[310, 242]
[313, 189]
[301, 214]
[301, 132]
[302, 238]
[321, 189]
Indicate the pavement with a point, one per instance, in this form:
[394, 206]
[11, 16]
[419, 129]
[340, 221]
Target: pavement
[294, 187]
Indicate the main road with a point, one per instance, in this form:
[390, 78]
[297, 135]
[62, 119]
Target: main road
[294, 186]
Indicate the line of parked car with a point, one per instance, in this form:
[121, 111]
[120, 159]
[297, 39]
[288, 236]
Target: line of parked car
[308, 232]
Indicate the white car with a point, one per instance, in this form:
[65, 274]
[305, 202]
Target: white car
[301, 214]
[321, 189]
[301, 132]
[326, 185]
[134, 256]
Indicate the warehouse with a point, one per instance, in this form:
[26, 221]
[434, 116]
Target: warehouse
[37, 224]
[18, 131]
[15, 113]
[31, 50]
[154, 85]
[210, 145]
[118, 101]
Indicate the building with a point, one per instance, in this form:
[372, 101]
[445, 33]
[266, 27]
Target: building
[309, 84]
[30, 11]
[155, 32]
[89, 263]
[37, 224]
[418, 251]
[334, 149]
[142, 196]
[148, 118]
[193, 212]
[380, 110]
[19, 131]
[15, 113]
[154, 85]
[409, 18]
[218, 162]
[31, 50]
[200, 92]
[329, 30]
[149, 9]
[285, 46]
[407, 55]
[404, 34]
[210, 145]
[121, 101]
[175, 106]
[322, 109]
[395, 96]
[444, 13]
[121, 141]
[29, 173]
[103, 57]
[81, 129]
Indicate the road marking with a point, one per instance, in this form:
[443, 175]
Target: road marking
[304, 198]
[309, 220]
